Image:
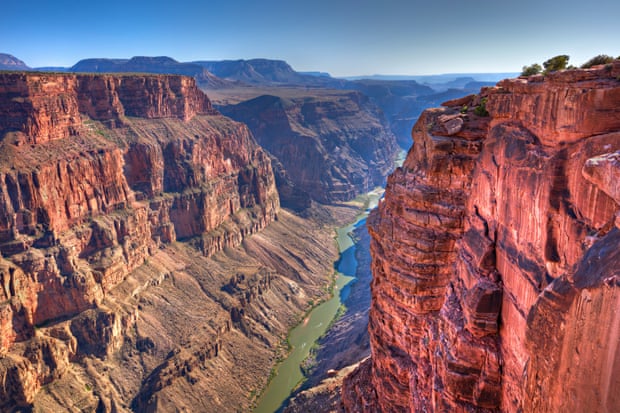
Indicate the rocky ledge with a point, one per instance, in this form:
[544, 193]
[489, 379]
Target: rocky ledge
[495, 255]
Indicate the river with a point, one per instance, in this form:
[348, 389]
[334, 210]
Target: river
[302, 337]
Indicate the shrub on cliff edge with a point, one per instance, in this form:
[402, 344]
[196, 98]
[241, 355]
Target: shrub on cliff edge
[530, 70]
[559, 62]
[481, 109]
[601, 59]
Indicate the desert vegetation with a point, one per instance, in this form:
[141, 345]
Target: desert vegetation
[560, 62]
[600, 59]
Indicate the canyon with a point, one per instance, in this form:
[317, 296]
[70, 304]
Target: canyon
[146, 263]
[329, 145]
[156, 252]
[495, 255]
[326, 144]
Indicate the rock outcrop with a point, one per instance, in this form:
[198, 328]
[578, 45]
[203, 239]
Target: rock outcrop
[333, 145]
[39, 107]
[97, 174]
[495, 255]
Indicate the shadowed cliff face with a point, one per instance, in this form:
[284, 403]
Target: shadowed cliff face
[100, 175]
[495, 255]
[332, 146]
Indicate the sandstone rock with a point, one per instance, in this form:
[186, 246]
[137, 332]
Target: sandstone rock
[452, 124]
[41, 106]
[97, 332]
[604, 172]
[19, 382]
[332, 145]
[463, 101]
[33, 363]
[114, 167]
[566, 107]
[492, 255]
[46, 106]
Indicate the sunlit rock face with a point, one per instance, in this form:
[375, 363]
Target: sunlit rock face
[496, 255]
[97, 174]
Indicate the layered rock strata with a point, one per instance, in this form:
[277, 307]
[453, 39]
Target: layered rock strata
[332, 145]
[97, 173]
[495, 255]
[43, 107]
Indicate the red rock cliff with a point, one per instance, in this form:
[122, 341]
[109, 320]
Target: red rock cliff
[96, 173]
[333, 145]
[496, 255]
[45, 106]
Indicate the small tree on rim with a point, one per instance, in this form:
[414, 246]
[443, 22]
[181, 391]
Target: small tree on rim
[556, 63]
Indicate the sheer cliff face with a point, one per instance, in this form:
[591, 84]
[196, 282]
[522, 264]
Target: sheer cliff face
[44, 107]
[98, 173]
[495, 255]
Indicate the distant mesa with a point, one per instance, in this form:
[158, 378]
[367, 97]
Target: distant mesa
[318, 74]
[251, 70]
[56, 69]
[268, 72]
[145, 64]
[439, 79]
[10, 62]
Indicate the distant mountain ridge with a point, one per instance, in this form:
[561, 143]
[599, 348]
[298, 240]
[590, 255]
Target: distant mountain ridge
[439, 78]
[253, 71]
[10, 62]
[267, 72]
[145, 64]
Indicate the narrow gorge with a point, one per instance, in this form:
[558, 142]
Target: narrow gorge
[495, 255]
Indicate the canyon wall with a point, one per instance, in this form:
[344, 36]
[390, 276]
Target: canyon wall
[45, 107]
[98, 175]
[495, 255]
[330, 146]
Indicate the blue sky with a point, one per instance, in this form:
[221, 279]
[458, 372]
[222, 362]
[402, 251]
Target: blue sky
[343, 37]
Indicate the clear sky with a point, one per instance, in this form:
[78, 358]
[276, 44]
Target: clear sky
[343, 37]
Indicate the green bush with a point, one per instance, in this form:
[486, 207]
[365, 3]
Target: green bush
[601, 59]
[556, 63]
[530, 70]
[481, 109]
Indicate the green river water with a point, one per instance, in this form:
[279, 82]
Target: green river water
[303, 337]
